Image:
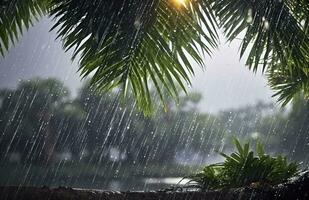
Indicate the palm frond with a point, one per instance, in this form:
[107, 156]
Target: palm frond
[273, 31]
[15, 16]
[139, 45]
[144, 45]
[288, 83]
[300, 11]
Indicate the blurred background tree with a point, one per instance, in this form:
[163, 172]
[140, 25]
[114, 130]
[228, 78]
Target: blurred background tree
[27, 118]
[98, 136]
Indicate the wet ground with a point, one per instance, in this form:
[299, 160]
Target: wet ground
[296, 188]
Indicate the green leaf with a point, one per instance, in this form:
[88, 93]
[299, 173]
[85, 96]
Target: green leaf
[260, 149]
[15, 16]
[239, 147]
[149, 49]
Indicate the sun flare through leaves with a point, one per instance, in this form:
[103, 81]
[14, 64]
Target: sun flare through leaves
[179, 3]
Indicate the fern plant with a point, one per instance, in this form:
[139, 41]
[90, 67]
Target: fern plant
[244, 168]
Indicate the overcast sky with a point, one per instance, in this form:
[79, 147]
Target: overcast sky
[225, 83]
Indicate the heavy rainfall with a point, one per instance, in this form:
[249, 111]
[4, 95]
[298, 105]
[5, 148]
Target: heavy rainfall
[153, 95]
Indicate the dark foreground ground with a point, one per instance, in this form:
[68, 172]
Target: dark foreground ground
[296, 188]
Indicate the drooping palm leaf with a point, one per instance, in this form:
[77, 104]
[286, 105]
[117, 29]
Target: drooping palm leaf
[288, 83]
[272, 32]
[149, 44]
[15, 16]
[136, 44]
[300, 11]
[275, 37]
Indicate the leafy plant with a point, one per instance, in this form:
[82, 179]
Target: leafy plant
[244, 168]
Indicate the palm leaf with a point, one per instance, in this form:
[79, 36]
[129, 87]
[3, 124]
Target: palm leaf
[149, 44]
[273, 33]
[17, 15]
[141, 45]
[288, 83]
[275, 38]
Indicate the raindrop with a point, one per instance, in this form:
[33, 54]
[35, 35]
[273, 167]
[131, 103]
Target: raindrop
[266, 25]
[137, 24]
[249, 16]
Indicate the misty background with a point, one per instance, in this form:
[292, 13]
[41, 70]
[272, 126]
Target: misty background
[56, 131]
[224, 83]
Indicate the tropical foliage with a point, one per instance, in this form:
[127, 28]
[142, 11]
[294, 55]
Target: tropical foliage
[288, 83]
[140, 45]
[243, 168]
[275, 37]
[17, 15]
[149, 45]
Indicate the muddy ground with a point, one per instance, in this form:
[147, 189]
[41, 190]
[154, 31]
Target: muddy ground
[296, 188]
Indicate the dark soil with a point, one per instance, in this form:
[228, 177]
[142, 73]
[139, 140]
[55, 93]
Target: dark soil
[296, 188]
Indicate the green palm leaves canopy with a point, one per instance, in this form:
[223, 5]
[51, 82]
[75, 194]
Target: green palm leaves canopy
[144, 45]
[17, 15]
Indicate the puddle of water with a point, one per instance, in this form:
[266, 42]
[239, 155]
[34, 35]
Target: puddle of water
[168, 180]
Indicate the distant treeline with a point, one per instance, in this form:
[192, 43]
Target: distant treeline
[41, 124]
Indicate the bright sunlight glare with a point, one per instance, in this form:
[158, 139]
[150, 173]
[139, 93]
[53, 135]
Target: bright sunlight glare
[179, 3]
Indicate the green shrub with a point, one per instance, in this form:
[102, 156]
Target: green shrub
[244, 168]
